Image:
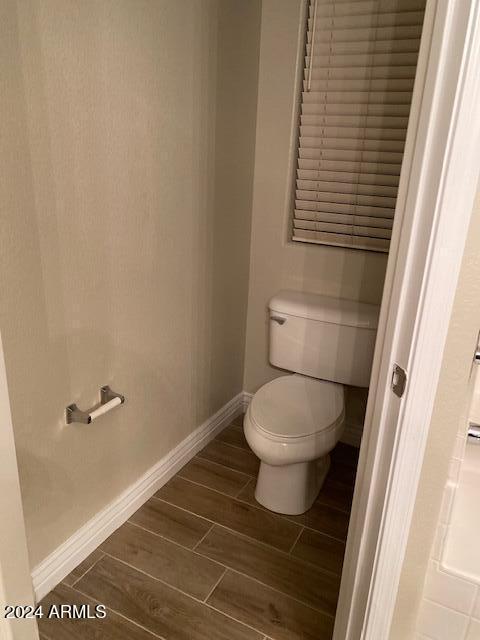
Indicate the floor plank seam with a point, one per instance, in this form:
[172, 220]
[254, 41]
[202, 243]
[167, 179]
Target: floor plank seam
[286, 554]
[237, 427]
[227, 615]
[227, 568]
[234, 446]
[282, 593]
[156, 578]
[243, 489]
[329, 506]
[237, 497]
[237, 533]
[211, 489]
[243, 535]
[324, 533]
[187, 595]
[196, 552]
[285, 516]
[246, 473]
[206, 486]
[85, 572]
[119, 613]
[296, 540]
[321, 504]
[215, 585]
[306, 526]
[217, 464]
[219, 524]
[218, 440]
[194, 548]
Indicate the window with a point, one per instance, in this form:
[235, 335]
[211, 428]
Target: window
[360, 64]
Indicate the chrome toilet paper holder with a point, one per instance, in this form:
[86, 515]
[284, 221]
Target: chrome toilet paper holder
[109, 399]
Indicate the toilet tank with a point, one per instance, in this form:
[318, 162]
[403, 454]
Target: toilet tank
[323, 337]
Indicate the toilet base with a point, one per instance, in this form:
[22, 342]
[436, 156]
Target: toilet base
[292, 488]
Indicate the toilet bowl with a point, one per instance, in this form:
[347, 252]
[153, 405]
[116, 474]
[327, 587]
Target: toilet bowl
[291, 424]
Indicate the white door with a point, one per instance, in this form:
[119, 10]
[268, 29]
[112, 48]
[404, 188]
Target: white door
[437, 189]
[15, 579]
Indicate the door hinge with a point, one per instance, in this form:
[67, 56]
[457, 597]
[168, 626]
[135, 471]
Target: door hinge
[399, 380]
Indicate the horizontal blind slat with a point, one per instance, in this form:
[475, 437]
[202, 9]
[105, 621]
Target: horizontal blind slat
[343, 218]
[351, 144]
[366, 84]
[350, 109]
[347, 198]
[331, 227]
[347, 188]
[405, 72]
[345, 208]
[357, 97]
[399, 58]
[339, 240]
[366, 20]
[330, 30]
[368, 7]
[335, 48]
[389, 122]
[351, 177]
[376, 168]
[359, 133]
[391, 157]
[371, 232]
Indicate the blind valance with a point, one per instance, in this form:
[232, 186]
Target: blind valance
[360, 64]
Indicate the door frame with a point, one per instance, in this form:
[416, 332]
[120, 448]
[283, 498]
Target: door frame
[431, 224]
[15, 578]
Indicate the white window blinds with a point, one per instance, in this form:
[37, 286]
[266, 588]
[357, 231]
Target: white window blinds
[360, 64]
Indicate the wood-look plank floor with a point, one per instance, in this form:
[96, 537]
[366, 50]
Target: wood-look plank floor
[202, 560]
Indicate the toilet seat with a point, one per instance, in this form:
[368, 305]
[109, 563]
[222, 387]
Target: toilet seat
[292, 424]
[296, 406]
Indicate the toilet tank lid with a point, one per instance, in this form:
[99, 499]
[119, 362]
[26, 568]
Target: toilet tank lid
[314, 306]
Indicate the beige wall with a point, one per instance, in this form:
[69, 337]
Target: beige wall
[125, 235]
[451, 405]
[276, 263]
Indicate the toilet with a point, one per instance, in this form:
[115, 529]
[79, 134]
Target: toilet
[293, 422]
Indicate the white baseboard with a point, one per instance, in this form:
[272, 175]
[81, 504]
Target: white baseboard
[68, 555]
[246, 399]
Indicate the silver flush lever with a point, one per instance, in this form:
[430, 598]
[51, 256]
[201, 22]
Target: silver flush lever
[278, 319]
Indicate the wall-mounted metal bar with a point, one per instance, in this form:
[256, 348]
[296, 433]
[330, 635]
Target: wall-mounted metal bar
[108, 400]
[474, 432]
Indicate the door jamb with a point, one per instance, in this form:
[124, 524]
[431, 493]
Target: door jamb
[15, 579]
[427, 248]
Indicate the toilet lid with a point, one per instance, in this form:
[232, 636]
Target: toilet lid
[294, 406]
